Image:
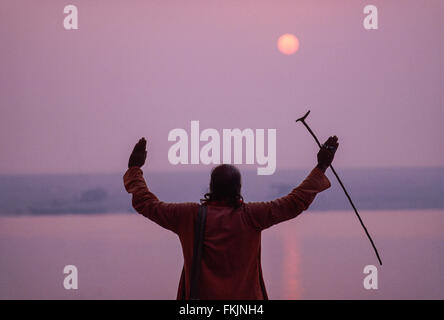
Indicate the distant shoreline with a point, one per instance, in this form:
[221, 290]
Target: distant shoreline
[370, 189]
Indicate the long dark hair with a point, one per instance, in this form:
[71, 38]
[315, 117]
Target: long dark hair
[225, 185]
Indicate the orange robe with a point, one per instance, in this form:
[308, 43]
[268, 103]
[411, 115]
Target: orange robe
[231, 256]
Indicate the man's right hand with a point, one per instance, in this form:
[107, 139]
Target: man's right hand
[327, 153]
[138, 156]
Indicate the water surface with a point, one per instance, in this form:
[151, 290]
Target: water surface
[318, 255]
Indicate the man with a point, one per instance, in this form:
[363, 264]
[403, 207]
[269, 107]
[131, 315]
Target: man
[230, 267]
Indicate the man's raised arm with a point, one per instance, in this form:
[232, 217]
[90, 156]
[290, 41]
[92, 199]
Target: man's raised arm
[262, 215]
[144, 201]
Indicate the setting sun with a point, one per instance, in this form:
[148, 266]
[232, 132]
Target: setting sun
[288, 44]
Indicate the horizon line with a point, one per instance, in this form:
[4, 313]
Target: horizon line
[208, 170]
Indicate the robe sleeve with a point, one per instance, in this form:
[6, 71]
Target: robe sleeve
[262, 215]
[147, 204]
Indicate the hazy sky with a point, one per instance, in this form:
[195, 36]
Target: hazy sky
[77, 101]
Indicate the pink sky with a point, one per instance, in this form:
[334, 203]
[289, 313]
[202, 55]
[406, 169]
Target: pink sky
[77, 101]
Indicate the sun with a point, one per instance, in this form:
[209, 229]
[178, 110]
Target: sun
[288, 44]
